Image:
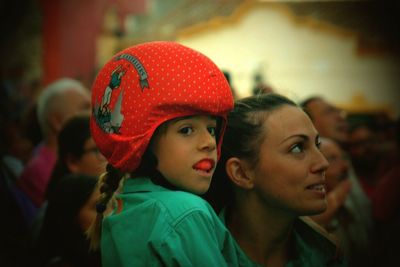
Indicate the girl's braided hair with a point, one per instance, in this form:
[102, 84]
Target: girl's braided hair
[109, 183]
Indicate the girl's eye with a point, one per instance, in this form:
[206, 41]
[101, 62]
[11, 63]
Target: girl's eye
[186, 130]
[211, 130]
[297, 148]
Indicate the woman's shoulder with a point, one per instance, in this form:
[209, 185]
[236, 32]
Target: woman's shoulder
[310, 236]
[312, 228]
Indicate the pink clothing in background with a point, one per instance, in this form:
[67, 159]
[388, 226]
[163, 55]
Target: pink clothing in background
[35, 176]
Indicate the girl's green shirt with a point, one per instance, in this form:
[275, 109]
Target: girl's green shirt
[155, 226]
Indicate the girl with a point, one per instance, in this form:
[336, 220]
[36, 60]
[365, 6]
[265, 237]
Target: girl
[159, 113]
[270, 174]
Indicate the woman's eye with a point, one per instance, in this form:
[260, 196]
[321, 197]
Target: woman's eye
[297, 148]
[186, 130]
[318, 145]
[211, 130]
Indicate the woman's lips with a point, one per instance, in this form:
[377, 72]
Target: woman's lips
[204, 165]
[318, 188]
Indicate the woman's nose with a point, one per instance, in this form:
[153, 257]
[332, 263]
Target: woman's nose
[320, 163]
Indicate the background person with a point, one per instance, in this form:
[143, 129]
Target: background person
[77, 151]
[70, 211]
[338, 219]
[331, 123]
[55, 105]
[78, 154]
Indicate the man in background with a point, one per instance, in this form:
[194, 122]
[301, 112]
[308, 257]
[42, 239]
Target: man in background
[331, 123]
[55, 105]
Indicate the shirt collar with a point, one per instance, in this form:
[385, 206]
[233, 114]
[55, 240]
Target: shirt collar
[140, 184]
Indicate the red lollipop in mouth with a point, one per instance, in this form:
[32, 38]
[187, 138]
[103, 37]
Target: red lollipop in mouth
[204, 165]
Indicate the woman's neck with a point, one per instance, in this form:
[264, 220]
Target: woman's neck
[264, 235]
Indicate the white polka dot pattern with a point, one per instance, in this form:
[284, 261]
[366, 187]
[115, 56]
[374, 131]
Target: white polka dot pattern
[180, 82]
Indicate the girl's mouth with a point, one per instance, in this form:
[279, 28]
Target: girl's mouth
[205, 165]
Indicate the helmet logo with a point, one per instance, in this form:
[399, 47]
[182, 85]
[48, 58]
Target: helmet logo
[108, 119]
[144, 83]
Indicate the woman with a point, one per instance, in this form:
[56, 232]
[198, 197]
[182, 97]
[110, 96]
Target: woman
[271, 173]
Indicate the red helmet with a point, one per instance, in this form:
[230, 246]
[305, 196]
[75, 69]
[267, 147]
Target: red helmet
[148, 84]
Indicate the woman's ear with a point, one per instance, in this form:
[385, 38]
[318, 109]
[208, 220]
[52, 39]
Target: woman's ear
[239, 173]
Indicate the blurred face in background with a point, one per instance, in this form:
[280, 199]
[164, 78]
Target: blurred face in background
[338, 163]
[363, 147]
[66, 105]
[328, 120]
[91, 162]
[87, 214]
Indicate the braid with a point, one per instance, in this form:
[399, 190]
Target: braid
[109, 183]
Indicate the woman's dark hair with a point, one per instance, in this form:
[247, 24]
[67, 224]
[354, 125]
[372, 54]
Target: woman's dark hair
[61, 236]
[243, 137]
[71, 142]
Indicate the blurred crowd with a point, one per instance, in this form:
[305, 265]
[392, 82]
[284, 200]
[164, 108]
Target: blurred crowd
[49, 168]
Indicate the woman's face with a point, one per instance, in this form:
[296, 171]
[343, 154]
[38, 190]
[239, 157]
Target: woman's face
[289, 176]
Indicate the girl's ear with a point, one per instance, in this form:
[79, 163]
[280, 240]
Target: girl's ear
[239, 173]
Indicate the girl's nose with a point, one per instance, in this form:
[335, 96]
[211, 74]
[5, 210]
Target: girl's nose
[207, 141]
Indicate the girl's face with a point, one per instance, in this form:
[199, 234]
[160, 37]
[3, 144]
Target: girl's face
[186, 152]
[289, 176]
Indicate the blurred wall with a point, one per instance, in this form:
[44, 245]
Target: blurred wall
[70, 32]
[298, 57]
